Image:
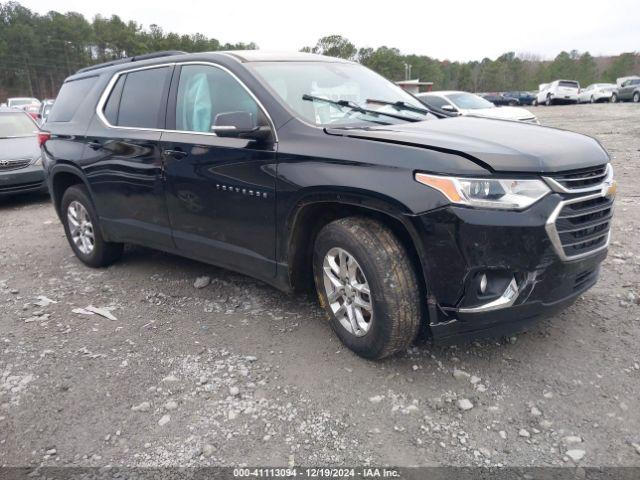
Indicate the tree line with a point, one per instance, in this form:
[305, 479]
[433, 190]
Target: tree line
[37, 52]
[510, 71]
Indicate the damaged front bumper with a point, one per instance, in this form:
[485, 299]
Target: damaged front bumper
[493, 272]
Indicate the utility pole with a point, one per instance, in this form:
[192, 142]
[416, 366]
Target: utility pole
[407, 71]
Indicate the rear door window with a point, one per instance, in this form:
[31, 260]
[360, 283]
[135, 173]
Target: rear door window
[69, 98]
[143, 99]
[568, 84]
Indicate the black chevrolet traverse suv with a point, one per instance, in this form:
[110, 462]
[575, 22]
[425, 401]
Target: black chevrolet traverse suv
[308, 171]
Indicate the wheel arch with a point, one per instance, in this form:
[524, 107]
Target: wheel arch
[311, 213]
[61, 177]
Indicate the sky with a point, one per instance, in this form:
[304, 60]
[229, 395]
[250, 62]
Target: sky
[448, 29]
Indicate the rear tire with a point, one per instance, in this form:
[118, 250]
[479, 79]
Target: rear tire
[377, 265]
[548, 102]
[592, 100]
[614, 98]
[534, 102]
[83, 231]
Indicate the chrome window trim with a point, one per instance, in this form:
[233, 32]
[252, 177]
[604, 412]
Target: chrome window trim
[557, 187]
[112, 82]
[550, 227]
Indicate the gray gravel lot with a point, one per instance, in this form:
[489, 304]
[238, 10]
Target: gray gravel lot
[238, 373]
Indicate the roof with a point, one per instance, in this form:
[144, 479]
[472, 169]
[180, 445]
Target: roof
[266, 56]
[413, 82]
[243, 56]
[441, 92]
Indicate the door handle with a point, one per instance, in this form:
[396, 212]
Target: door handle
[177, 154]
[94, 145]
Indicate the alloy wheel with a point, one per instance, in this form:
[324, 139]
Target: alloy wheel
[347, 291]
[80, 227]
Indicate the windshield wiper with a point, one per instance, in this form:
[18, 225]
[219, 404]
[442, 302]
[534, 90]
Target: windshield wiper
[400, 105]
[357, 108]
[410, 108]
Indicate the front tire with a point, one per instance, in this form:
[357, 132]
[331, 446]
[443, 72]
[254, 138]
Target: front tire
[82, 228]
[614, 98]
[548, 102]
[367, 286]
[636, 97]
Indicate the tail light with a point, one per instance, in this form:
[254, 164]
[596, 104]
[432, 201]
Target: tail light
[43, 137]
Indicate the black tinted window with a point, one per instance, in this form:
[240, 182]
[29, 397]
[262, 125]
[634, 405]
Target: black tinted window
[69, 99]
[143, 98]
[113, 102]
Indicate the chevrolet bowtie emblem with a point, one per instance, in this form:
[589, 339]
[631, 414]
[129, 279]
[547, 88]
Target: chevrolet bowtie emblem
[611, 191]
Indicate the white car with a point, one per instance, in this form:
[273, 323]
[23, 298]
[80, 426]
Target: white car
[558, 91]
[597, 92]
[464, 103]
[20, 102]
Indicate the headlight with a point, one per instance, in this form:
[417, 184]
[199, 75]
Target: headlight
[38, 161]
[500, 193]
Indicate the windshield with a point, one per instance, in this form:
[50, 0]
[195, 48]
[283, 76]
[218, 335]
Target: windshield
[350, 84]
[16, 125]
[469, 101]
[18, 102]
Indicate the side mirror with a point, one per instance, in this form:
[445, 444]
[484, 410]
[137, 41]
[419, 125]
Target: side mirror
[448, 108]
[239, 125]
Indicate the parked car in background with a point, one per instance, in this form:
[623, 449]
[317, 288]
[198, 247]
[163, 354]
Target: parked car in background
[621, 80]
[20, 158]
[33, 110]
[464, 103]
[558, 92]
[499, 99]
[525, 98]
[18, 102]
[628, 92]
[45, 109]
[596, 92]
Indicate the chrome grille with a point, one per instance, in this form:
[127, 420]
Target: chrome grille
[583, 180]
[14, 164]
[580, 226]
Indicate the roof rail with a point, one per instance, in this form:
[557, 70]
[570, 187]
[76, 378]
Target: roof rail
[146, 56]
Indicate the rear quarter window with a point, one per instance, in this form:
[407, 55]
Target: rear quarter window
[69, 98]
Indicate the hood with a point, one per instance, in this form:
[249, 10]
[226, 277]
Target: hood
[505, 113]
[19, 147]
[498, 145]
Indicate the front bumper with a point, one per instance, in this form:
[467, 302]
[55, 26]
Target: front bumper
[461, 244]
[23, 180]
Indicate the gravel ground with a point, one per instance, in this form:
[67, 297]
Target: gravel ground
[237, 373]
